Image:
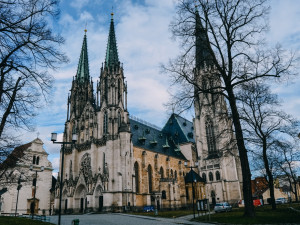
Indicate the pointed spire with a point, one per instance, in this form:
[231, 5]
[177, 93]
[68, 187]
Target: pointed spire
[83, 73]
[112, 58]
[203, 55]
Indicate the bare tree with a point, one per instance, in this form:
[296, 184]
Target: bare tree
[28, 49]
[263, 125]
[288, 160]
[232, 31]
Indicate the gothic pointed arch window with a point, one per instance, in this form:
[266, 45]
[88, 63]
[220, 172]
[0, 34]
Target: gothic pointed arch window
[106, 88]
[105, 123]
[119, 90]
[37, 160]
[150, 178]
[70, 169]
[204, 176]
[161, 171]
[210, 137]
[136, 173]
[119, 119]
[218, 176]
[33, 159]
[211, 176]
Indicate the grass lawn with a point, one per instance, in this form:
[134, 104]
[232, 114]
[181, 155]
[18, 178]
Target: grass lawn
[166, 214]
[8, 220]
[264, 215]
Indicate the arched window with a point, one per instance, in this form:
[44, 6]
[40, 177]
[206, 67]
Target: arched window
[119, 119]
[70, 169]
[33, 160]
[106, 88]
[175, 175]
[210, 137]
[163, 195]
[204, 176]
[119, 90]
[218, 176]
[105, 123]
[37, 160]
[171, 173]
[161, 171]
[211, 176]
[136, 173]
[150, 178]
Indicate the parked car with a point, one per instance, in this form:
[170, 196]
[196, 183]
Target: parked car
[222, 207]
[280, 201]
[148, 208]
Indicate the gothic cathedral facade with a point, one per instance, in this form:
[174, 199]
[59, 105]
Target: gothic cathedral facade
[120, 162]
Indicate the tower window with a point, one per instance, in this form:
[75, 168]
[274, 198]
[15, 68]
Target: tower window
[33, 159]
[210, 137]
[119, 119]
[37, 160]
[105, 123]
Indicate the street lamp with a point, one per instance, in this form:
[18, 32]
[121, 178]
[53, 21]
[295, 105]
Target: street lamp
[18, 188]
[194, 179]
[53, 139]
[34, 184]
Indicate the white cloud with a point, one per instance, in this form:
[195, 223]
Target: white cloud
[78, 4]
[144, 42]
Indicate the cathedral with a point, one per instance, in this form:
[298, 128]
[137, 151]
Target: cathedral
[120, 162]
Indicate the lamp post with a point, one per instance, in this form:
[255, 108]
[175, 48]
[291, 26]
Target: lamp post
[18, 188]
[53, 139]
[194, 180]
[34, 184]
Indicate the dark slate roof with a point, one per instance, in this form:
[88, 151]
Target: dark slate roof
[149, 138]
[180, 129]
[177, 130]
[192, 176]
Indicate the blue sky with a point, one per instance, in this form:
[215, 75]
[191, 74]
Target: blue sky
[144, 42]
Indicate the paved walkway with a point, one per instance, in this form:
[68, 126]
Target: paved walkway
[122, 219]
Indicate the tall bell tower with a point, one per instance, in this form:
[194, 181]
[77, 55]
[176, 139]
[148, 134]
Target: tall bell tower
[215, 141]
[113, 119]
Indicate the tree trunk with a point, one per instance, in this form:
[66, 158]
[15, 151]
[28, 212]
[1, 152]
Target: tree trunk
[247, 191]
[269, 174]
[9, 107]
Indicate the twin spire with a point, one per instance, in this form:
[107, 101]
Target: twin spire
[83, 73]
[111, 58]
[203, 53]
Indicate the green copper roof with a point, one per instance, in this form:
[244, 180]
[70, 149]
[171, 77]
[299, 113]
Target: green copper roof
[83, 73]
[112, 58]
[203, 54]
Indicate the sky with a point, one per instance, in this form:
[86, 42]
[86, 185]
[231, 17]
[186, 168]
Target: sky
[144, 43]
